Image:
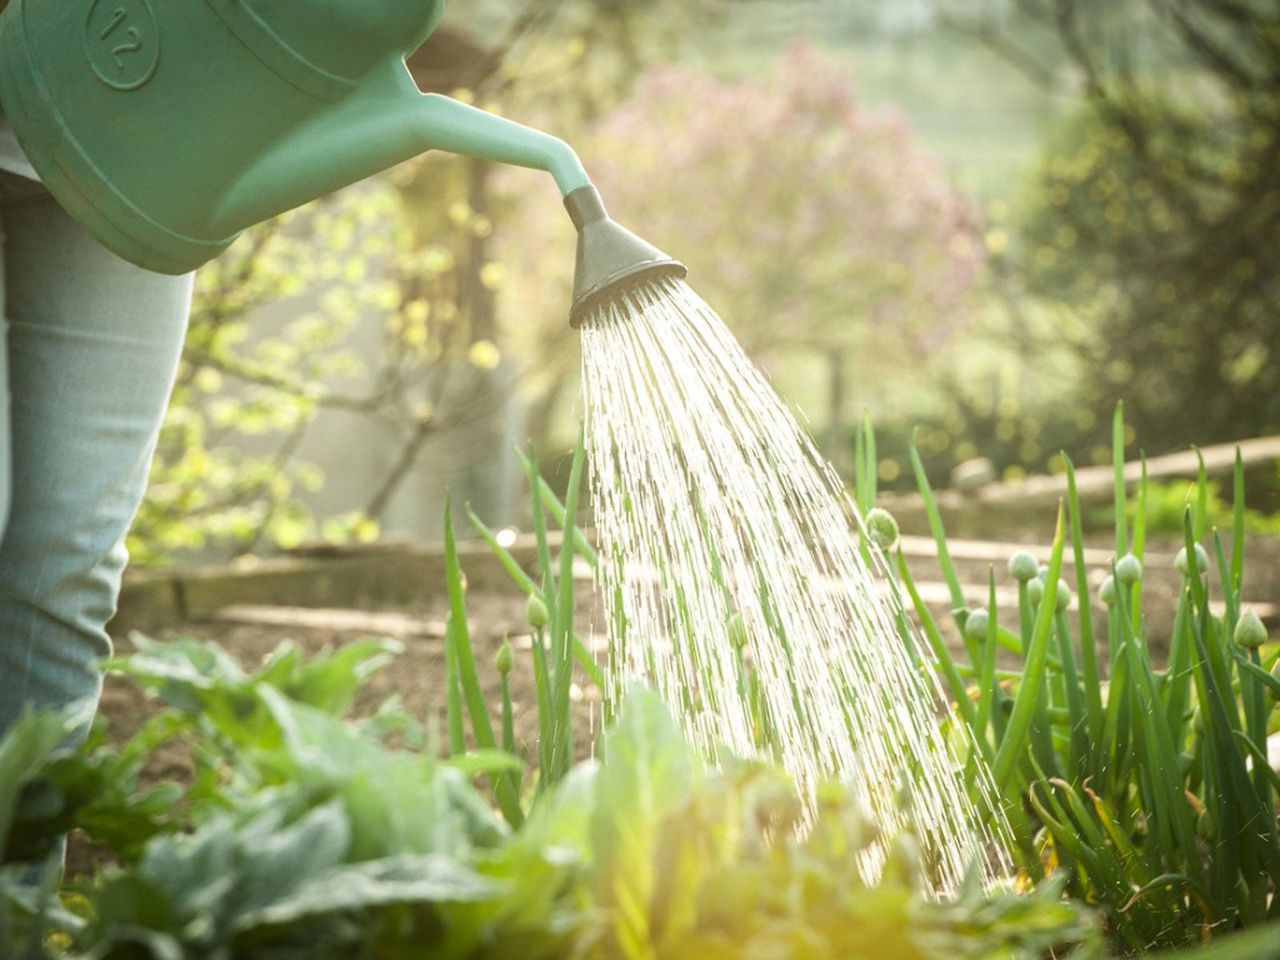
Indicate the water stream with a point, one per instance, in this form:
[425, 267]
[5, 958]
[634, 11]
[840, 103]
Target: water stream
[730, 547]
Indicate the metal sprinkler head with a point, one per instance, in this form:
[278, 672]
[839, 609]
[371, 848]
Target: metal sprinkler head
[610, 257]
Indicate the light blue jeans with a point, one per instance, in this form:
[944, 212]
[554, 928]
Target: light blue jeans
[89, 349]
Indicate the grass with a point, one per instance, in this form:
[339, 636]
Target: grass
[1146, 784]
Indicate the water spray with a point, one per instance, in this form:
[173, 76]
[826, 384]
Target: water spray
[611, 259]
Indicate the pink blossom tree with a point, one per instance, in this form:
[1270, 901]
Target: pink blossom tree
[811, 221]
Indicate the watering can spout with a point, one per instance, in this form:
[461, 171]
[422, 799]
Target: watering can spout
[456, 127]
[380, 126]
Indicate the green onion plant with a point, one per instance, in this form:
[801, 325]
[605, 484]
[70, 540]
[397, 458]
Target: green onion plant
[1143, 779]
[558, 653]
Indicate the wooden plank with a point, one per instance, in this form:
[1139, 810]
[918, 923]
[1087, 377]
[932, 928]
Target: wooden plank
[938, 595]
[1092, 483]
[999, 553]
[397, 626]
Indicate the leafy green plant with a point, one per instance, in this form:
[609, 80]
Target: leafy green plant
[329, 843]
[1166, 503]
[691, 861]
[1146, 782]
[300, 829]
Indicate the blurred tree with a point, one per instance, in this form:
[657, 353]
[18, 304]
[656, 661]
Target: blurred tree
[226, 476]
[1156, 210]
[561, 67]
[818, 224]
[235, 391]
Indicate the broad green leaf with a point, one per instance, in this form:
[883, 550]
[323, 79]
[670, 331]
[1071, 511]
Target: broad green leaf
[24, 752]
[405, 879]
[648, 770]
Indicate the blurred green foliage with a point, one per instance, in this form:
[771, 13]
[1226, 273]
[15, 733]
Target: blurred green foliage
[208, 486]
[1146, 236]
[1168, 247]
[344, 305]
[1166, 504]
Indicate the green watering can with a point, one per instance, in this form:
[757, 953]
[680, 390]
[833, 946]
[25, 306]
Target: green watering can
[166, 127]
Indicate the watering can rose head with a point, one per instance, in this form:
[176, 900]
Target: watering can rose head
[611, 259]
